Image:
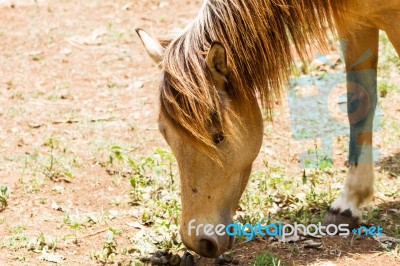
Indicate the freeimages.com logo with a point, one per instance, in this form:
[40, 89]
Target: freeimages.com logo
[249, 231]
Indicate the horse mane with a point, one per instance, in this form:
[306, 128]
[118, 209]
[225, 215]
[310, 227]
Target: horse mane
[258, 36]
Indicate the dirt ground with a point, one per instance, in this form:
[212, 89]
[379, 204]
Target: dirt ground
[74, 79]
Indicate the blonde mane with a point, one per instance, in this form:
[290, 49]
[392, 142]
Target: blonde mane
[258, 36]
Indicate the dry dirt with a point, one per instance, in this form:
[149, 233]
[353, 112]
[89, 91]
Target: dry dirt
[75, 71]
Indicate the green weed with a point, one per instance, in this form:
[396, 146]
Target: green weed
[17, 239]
[110, 247]
[267, 259]
[154, 194]
[4, 195]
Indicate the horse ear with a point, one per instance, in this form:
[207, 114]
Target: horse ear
[216, 60]
[152, 46]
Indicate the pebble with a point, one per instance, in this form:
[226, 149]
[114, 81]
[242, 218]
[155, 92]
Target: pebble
[223, 259]
[160, 253]
[164, 258]
[175, 260]
[187, 260]
[156, 261]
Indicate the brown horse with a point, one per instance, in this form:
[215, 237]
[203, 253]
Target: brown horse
[236, 52]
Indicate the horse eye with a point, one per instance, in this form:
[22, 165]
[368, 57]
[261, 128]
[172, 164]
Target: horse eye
[217, 138]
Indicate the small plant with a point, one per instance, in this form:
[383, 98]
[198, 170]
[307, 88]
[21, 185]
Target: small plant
[42, 242]
[293, 248]
[74, 222]
[396, 251]
[4, 195]
[109, 250]
[55, 167]
[267, 259]
[17, 238]
[155, 192]
[277, 194]
[317, 159]
[385, 87]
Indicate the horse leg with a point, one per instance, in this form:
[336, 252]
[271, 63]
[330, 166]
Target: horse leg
[362, 100]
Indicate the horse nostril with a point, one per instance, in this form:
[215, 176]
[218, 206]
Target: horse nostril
[208, 247]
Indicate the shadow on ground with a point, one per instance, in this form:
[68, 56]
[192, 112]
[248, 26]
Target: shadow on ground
[391, 165]
[336, 250]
